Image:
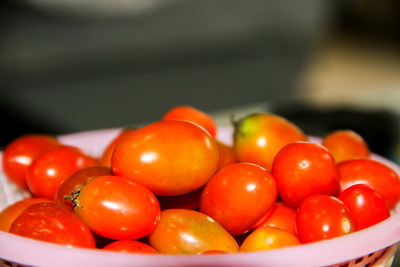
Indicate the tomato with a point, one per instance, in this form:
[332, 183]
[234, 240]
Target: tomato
[238, 195]
[265, 238]
[8, 215]
[189, 113]
[77, 179]
[105, 158]
[322, 217]
[372, 173]
[183, 231]
[168, 157]
[366, 206]
[212, 252]
[50, 168]
[259, 137]
[53, 223]
[188, 201]
[130, 246]
[280, 216]
[117, 208]
[303, 169]
[226, 155]
[18, 155]
[345, 145]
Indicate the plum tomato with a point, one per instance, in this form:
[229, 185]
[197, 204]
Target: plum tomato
[188, 201]
[258, 138]
[226, 155]
[130, 246]
[117, 208]
[54, 223]
[345, 145]
[302, 169]
[375, 174]
[105, 158]
[194, 115]
[77, 179]
[238, 195]
[183, 231]
[50, 168]
[280, 216]
[168, 157]
[322, 217]
[266, 238]
[19, 154]
[366, 206]
[8, 215]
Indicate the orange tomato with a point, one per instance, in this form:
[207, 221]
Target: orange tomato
[105, 158]
[280, 216]
[226, 155]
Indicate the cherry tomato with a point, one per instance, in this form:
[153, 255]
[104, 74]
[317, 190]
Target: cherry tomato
[50, 168]
[188, 201]
[266, 238]
[303, 169]
[183, 231]
[212, 252]
[366, 206]
[322, 217]
[105, 158]
[259, 137]
[77, 179]
[168, 157]
[226, 155]
[280, 216]
[53, 223]
[130, 246]
[194, 115]
[18, 155]
[345, 145]
[238, 195]
[117, 208]
[8, 215]
[373, 173]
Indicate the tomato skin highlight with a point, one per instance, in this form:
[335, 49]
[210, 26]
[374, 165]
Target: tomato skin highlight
[168, 157]
[117, 208]
[130, 246]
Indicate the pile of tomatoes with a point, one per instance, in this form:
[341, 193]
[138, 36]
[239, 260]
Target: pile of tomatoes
[171, 187]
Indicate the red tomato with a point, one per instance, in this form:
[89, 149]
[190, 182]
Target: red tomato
[194, 115]
[345, 145]
[77, 179]
[18, 155]
[52, 167]
[188, 201]
[265, 238]
[130, 246]
[238, 195]
[303, 169]
[259, 137]
[183, 231]
[105, 158]
[117, 208]
[280, 216]
[168, 157]
[226, 155]
[53, 223]
[366, 206]
[322, 217]
[373, 173]
[8, 215]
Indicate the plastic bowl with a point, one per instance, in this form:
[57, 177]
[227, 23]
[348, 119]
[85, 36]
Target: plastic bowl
[374, 245]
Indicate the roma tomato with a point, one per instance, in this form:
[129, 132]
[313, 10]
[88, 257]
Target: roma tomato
[117, 208]
[303, 169]
[366, 206]
[105, 158]
[258, 138]
[194, 115]
[130, 246]
[8, 215]
[345, 145]
[373, 173]
[53, 223]
[230, 196]
[280, 216]
[226, 155]
[52, 167]
[168, 157]
[265, 238]
[18, 155]
[183, 231]
[322, 217]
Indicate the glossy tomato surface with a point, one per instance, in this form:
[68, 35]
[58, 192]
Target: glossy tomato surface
[130, 246]
[168, 157]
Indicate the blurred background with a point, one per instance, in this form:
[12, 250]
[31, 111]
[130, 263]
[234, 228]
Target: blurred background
[77, 65]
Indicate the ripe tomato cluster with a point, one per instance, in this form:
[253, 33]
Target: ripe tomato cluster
[171, 187]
